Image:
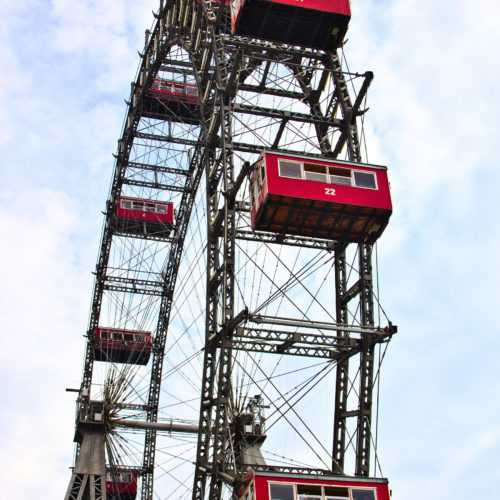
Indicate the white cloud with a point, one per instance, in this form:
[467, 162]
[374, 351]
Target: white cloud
[62, 87]
[44, 311]
[433, 122]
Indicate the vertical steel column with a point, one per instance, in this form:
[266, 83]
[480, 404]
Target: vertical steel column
[363, 442]
[214, 411]
[211, 347]
[342, 377]
[221, 418]
[350, 138]
[214, 418]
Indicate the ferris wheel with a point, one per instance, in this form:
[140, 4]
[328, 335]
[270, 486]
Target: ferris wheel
[235, 332]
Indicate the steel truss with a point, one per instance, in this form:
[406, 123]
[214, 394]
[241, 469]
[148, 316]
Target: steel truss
[253, 95]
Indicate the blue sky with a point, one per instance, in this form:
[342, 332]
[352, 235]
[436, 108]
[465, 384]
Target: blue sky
[67, 66]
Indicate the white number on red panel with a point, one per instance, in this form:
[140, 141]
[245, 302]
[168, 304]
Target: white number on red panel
[330, 191]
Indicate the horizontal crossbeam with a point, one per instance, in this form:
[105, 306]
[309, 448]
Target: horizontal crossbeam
[154, 185]
[157, 168]
[288, 115]
[285, 239]
[294, 343]
[133, 285]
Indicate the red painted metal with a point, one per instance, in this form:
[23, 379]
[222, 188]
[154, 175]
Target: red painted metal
[257, 485]
[140, 217]
[319, 209]
[121, 485]
[335, 6]
[155, 211]
[318, 24]
[166, 89]
[171, 100]
[122, 346]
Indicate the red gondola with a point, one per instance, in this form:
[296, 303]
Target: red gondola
[170, 100]
[122, 346]
[319, 24]
[320, 198]
[284, 486]
[121, 485]
[144, 217]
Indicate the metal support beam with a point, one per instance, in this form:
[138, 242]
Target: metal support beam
[363, 443]
[157, 426]
[89, 474]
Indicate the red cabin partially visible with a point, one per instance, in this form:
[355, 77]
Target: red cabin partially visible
[122, 346]
[319, 24]
[169, 100]
[121, 485]
[144, 217]
[320, 198]
[284, 486]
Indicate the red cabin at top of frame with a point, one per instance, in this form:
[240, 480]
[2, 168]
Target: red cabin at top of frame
[319, 24]
[284, 486]
[319, 197]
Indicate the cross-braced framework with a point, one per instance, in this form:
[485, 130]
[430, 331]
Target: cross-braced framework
[233, 313]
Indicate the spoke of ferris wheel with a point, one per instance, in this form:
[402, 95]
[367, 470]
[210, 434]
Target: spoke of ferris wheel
[301, 388]
[294, 280]
[290, 423]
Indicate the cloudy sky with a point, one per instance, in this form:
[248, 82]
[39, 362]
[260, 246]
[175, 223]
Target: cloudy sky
[66, 68]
